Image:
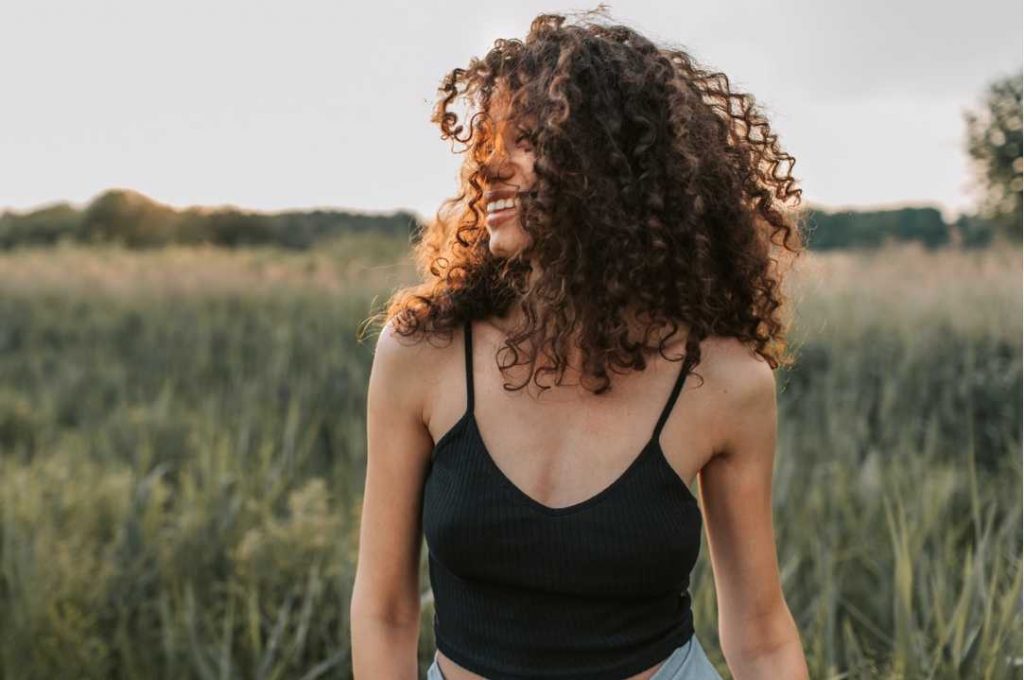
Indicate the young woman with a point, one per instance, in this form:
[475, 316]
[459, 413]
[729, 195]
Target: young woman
[615, 229]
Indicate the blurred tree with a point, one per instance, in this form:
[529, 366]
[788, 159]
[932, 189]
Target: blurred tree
[130, 218]
[46, 225]
[994, 144]
[874, 228]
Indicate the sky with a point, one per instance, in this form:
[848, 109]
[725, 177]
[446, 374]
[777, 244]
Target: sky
[326, 104]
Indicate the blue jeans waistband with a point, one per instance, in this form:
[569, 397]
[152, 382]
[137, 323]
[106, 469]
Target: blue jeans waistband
[687, 662]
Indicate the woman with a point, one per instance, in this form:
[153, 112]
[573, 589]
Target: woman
[617, 211]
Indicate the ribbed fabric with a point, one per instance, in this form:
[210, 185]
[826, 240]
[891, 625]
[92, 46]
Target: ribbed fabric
[597, 590]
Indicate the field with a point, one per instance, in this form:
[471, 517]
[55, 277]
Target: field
[182, 446]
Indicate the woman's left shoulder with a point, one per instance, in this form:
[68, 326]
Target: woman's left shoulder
[739, 403]
[737, 373]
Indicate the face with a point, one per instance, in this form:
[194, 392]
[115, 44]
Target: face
[508, 167]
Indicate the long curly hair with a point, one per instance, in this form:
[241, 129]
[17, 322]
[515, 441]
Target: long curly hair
[658, 191]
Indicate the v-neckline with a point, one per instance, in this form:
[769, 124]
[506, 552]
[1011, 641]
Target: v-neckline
[651, 446]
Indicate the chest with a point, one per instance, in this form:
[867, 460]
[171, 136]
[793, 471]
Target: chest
[636, 533]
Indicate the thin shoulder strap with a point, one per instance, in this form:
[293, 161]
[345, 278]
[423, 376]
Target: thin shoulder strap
[676, 389]
[469, 364]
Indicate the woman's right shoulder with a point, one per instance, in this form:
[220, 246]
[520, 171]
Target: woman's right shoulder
[412, 365]
[413, 350]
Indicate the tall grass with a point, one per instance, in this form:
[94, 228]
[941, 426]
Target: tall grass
[183, 447]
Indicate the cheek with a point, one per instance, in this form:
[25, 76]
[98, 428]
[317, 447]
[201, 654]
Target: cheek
[528, 168]
[524, 167]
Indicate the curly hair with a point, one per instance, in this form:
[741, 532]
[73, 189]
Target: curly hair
[658, 190]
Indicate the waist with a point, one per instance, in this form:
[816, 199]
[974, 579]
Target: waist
[499, 632]
[639, 664]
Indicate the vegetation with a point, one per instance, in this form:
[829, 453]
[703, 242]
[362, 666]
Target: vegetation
[128, 218]
[182, 450]
[872, 229]
[994, 144]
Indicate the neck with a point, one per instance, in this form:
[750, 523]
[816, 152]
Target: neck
[638, 331]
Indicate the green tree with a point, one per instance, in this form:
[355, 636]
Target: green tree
[128, 217]
[994, 144]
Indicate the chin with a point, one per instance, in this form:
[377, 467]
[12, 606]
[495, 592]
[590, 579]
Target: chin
[498, 249]
[501, 245]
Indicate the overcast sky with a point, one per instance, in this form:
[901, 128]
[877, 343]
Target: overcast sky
[306, 104]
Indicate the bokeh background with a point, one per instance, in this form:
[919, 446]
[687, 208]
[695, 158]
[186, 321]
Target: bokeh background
[203, 202]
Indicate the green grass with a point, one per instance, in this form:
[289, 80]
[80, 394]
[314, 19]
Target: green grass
[182, 444]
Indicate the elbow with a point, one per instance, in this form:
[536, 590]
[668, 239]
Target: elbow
[765, 646]
[758, 634]
[383, 613]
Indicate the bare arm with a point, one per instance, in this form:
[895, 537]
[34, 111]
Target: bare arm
[758, 635]
[385, 607]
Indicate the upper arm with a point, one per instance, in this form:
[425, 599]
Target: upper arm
[735, 487]
[397, 455]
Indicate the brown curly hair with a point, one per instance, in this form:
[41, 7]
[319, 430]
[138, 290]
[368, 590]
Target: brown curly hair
[658, 190]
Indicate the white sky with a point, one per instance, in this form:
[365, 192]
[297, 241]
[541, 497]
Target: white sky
[302, 104]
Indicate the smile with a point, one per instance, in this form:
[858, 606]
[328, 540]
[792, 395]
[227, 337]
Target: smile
[496, 217]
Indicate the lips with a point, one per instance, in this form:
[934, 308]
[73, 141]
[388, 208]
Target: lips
[498, 194]
[498, 216]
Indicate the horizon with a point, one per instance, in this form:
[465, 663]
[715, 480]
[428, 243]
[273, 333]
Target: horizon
[948, 215]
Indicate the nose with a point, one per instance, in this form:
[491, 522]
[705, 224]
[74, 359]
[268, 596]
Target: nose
[496, 166]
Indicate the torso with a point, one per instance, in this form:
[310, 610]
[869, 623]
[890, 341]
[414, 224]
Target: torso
[582, 441]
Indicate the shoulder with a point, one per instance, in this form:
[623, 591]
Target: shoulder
[394, 350]
[741, 387]
[739, 372]
[405, 368]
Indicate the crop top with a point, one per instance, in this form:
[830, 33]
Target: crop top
[597, 590]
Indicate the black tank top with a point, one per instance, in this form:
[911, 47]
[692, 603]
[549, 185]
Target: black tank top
[597, 590]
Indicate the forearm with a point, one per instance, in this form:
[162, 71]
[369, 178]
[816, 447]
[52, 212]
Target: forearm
[383, 649]
[784, 661]
[765, 646]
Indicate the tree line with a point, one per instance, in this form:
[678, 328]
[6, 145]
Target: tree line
[133, 220]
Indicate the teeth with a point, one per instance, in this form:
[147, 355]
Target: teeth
[494, 206]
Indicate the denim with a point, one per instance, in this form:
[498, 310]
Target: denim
[687, 662]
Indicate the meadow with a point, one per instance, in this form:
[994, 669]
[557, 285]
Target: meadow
[182, 448]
